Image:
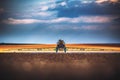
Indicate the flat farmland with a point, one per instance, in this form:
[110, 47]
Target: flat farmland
[51, 48]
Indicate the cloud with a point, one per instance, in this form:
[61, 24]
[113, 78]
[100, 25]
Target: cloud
[114, 0]
[102, 1]
[95, 1]
[37, 14]
[91, 19]
[43, 14]
[20, 21]
[63, 3]
[87, 1]
[81, 19]
[1, 10]
[46, 5]
[76, 28]
[44, 8]
[117, 20]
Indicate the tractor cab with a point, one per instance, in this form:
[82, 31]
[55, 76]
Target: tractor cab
[60, 46]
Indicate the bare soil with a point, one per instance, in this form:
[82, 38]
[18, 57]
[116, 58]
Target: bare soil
[61, 66]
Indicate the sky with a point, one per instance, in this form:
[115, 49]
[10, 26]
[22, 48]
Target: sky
[47, 21]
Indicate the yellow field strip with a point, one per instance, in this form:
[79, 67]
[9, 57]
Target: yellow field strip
[51, 48]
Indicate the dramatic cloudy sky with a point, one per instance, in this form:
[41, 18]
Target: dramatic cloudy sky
[46, 21]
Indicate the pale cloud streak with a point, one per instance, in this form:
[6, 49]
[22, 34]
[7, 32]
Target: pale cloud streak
[97, 1]
[81, 19]
[45, 5]
[20, 21]
[44, 8]
[102, 1]
[76, 28]
[44, 14]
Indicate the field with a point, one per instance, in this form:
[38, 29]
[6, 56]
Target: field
[62, 66]
[16, 48]
[41, 62]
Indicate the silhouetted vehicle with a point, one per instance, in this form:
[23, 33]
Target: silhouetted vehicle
[60, 46]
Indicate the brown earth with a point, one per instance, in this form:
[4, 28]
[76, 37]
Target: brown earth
[61, 66]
